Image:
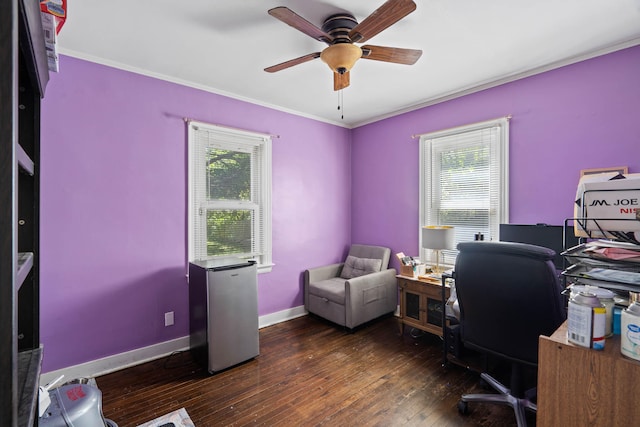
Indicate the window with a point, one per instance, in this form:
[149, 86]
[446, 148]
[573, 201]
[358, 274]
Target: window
[229, 194]
[464, 175]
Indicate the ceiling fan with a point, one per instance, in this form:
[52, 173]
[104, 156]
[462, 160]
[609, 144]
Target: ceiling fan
[341, 31]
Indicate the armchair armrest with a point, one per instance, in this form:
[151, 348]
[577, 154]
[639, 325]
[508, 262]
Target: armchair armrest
[323, 273]
[370, 296]
[317, 274]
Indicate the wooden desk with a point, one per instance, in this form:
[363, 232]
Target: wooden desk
[578, 386]
[421, 304]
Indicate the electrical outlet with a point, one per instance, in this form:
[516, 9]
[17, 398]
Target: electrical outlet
[168, 318]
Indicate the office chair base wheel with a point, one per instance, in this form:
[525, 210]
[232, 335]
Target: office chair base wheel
[463, 407]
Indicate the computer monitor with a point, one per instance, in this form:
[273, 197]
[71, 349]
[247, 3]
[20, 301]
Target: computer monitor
[548, 236]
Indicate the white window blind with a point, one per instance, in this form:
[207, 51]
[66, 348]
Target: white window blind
[464, 181]
[229, 194]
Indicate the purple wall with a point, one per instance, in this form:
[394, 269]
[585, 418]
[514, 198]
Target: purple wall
[585, 115]
[113, 227]
[113, 224]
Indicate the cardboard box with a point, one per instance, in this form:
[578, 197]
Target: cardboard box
[406, 270]
[49, 29]
[57, 9]
[607, 202]
[53, 61]
[50, 39]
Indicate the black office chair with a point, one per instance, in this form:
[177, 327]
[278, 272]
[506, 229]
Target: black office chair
[509, 295]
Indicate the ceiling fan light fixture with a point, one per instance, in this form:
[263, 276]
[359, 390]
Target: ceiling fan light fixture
[341, 57]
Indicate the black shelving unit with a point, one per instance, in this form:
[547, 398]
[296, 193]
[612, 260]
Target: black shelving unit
[23, 77]
[579, 263]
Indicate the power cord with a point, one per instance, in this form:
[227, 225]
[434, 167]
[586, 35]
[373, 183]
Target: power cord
[167, 361]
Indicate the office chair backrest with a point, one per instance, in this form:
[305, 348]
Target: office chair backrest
[509, 295]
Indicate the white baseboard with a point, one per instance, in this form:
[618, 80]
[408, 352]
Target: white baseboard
[127, 359]
[116, 362]
[281, 316]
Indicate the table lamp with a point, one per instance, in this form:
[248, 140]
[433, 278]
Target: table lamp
[436, 238]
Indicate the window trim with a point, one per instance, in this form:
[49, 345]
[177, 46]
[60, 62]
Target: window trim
[245, 140]
[502, 124]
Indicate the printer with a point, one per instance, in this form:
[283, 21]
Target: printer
[607, 205]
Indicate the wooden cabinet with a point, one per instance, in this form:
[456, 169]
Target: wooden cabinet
[23, 78]
[578, 386]
[421, 304]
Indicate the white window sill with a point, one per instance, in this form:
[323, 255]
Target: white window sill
[265, 268]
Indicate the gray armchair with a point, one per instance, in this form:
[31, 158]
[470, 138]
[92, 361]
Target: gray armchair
[353, 292]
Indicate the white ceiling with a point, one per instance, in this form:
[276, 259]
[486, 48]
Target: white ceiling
[223, 47]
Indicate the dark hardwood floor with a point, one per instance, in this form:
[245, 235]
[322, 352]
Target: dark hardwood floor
[309, 373]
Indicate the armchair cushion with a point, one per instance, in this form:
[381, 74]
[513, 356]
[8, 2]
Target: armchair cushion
[356, 267]
[330, 289]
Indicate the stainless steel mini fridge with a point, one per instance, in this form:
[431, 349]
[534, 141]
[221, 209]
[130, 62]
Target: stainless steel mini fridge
[223, 312]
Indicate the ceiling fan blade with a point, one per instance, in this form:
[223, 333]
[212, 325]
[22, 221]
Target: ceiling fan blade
[391, 54]
[292, 62]
[386, 15]
[291, 18]
[340, 81]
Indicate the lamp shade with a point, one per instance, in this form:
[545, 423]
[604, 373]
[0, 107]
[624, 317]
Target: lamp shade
[438, 237]
[340, 57]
